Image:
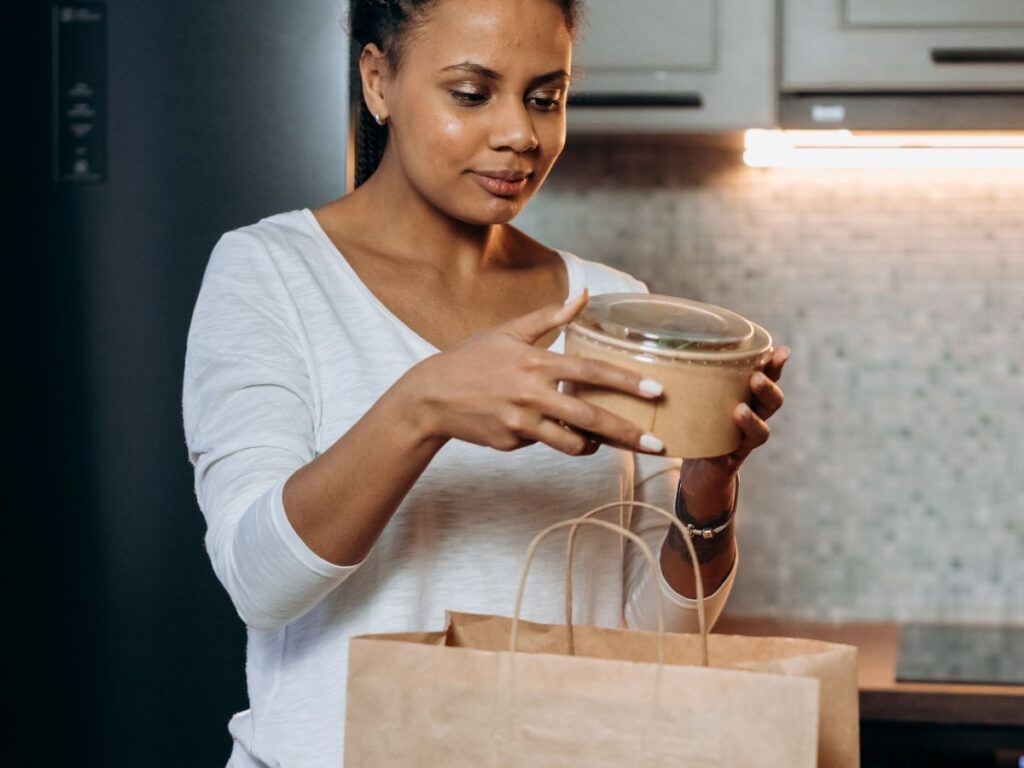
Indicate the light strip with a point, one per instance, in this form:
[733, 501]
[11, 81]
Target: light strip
[845, 149]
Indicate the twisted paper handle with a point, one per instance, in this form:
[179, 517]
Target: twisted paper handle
[673, 520]
[587, 519]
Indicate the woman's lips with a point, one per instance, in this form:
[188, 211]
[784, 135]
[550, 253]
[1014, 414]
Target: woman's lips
[500, 187]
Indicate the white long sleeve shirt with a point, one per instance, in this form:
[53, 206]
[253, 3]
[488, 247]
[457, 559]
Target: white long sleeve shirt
[288, 349]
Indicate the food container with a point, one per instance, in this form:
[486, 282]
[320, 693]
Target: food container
[703, 355]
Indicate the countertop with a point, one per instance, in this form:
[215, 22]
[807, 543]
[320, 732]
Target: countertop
[881, 697]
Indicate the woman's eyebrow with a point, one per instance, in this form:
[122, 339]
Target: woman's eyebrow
[477, 69]
[490, 74]
[557, 74]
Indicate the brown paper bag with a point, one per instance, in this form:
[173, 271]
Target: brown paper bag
[463, 697]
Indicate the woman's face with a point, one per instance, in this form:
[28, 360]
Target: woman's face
[481, 90]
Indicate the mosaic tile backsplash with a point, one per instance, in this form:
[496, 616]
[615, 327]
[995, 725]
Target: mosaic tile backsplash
[893, 485]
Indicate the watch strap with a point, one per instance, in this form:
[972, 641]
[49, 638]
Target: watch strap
[711, 528]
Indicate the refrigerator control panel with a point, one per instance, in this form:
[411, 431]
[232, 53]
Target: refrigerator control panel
[80, 92]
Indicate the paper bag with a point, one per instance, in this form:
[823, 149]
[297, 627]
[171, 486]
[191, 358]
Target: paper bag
[463, 697]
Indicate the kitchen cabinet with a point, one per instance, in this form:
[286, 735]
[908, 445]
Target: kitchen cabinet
[670, 65]
[911, 46]
[930, 13]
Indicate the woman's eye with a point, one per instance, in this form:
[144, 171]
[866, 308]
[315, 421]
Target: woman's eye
[469, 98]
[547, 103]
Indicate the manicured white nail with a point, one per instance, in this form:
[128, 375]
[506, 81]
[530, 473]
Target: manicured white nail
[573, 299]
[650, 387]
[650, 443]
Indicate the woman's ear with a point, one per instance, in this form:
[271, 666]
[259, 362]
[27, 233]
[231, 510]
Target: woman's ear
[373, 69]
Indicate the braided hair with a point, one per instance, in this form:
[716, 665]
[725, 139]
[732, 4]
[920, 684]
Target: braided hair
[386, 24]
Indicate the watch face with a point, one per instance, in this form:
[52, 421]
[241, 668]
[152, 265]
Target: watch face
[945, 653]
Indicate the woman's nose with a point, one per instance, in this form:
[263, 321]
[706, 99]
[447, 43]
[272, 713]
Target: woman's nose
[513, 128]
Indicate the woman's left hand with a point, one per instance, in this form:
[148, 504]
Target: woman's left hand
[701, 476]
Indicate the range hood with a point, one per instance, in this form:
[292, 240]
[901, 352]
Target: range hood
[914, 65]
[904, 111]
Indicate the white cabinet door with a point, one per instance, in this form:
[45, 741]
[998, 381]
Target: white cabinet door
[646, 35]
[669, 65]
[882, 45]
[933, 13]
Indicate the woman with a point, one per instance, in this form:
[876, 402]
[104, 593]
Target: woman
[371, 393]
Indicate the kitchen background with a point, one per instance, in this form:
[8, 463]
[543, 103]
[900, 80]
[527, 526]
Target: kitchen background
[892, 485]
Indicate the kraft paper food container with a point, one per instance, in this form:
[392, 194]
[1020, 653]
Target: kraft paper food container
[703, 355]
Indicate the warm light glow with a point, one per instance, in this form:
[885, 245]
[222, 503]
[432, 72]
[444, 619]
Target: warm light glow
[845, 149]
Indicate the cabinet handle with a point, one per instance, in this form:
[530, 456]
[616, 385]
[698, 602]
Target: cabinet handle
[978, 55]
[684, 100]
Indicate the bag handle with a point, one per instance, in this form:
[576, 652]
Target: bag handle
[588, 519]
[673, 520]
[575, 523]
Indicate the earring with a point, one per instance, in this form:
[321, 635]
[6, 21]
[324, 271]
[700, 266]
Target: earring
[379, 119]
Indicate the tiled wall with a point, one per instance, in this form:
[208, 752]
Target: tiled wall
[893, 485]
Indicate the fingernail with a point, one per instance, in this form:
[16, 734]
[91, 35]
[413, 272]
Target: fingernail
[650, 443]
[574, 299]
[759, 379]
[745, 410]
[650, 387]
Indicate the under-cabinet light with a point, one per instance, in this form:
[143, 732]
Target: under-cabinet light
[846, 149]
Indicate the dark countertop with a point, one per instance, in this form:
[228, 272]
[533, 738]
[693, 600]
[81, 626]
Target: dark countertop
[881, 697]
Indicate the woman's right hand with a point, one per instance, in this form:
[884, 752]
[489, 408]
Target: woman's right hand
[497, 388]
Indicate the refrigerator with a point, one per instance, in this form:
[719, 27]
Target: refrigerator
[151, 129]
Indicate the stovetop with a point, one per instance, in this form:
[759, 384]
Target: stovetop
[949, 653]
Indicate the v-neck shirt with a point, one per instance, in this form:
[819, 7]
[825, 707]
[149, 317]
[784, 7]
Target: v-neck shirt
[571, 271]
[287, 350]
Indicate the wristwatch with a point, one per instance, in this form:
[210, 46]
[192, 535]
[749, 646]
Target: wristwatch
[709, 529]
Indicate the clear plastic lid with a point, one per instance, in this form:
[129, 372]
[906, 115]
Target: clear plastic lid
[670, 324]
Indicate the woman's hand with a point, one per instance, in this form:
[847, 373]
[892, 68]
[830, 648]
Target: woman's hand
[499, 389]
[711, 478]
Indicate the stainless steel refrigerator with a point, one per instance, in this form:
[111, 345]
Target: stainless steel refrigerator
[154, 127]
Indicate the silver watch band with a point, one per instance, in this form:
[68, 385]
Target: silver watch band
[709, 532]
